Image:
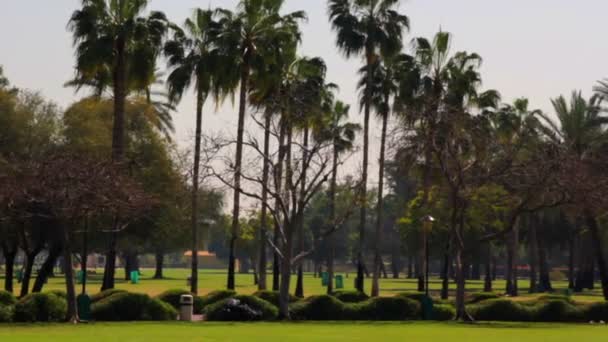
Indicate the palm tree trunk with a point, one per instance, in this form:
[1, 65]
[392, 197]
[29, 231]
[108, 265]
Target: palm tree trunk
[264, 216]
[159, 261]
[110, 265]
[487, 284]
[571, 256]
[278, 180]
[195, 189]
[72, 313]
[380, 208]
[599, 252]
[332, 219]
[544, 280]
[300, 280]
[10, 253]
[533, 252]
[237, 176]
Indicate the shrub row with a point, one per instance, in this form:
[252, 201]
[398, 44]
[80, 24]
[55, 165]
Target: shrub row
[320, 308]
[545, 310]
[241, 308]
[40, 307]
[124, 306]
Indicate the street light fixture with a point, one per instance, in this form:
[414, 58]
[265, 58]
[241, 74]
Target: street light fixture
[427, 226]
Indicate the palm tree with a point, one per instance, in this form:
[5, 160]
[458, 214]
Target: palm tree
[580, 130]
[372, 28]
[244, 40]
[342, 135]
[115, 45]
[193, 62]
[387, 77]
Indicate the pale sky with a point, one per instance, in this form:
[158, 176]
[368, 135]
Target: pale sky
[533, 48]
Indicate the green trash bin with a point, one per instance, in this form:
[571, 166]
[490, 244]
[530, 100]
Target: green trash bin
[324, 278]
[427, 308]
[84, 307]
[134, 277]
[339, 282]
[80, 277]
[19, 276]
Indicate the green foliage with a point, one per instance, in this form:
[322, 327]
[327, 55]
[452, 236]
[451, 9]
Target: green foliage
[501, 310]
[216, 296]
[105, 294]
[318, 308]
[443, 312]
[417, 296]
[273, 297]
[7, 298]
[383, 309]
[40, 307]
[172, 297]
[249, 308]
[6, 313]
[557, 311]
[596, 312]
[553, 297]
[481, 296]
[131, 307]
[350, 296]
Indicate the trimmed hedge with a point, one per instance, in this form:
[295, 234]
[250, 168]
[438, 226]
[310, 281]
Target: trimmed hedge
[132, 307]
[7, 298]
[105, 294]
[350, 296]
[242, 308]
[273, 297]
[417, 296]
[596, 312]
[383, 309]
[40, 307]
[443, 312]
[6, 313]
[481, 296]
[557, 311]
[214, 297]
[318, 308]
[501, 310]
[552, 297]
[172, 297]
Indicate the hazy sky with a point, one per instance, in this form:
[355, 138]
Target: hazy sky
[533, 48]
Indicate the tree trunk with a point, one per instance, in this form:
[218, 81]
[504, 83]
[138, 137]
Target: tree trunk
[158, 270]
[444, 272]
[544, 283]
[285, 280]
[194, 218]
[395, 263]
[9, 264]
[47, 268]
[72, 313]
[410, 267]
[487, 285]
[27, 273]
[300, 280]
[379, 211]
[264, 215]
[571, 251]
[110, 265]
[237, 174]
[278, 180]
[596, 238]
[533, 252]
[332, 219]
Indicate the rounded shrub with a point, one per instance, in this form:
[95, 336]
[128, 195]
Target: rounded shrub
[501, 310]
[557, 311]
[481, 296]
[553, 297]
[318, 308]
[6, 313]
[7, 298]
[443, 312]
[215, 296]
[273, 297]
[60, 294]
[383, 309]
[350, 296]
[172, 297]
[105, 294]
[417, 296]
[40, 307]
[596, 312]
[131, 307]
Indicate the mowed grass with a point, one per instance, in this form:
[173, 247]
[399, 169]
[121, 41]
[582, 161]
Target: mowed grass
[331, 331]
[210, 280]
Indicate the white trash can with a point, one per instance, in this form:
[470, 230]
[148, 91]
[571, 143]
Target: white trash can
[186, 305]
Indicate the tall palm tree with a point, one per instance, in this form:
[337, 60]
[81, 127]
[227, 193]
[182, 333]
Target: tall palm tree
[117, 45]
[580, 130]
[341, 133]
[193, 62]
[371, 28]
[387, 77]
[244, 39]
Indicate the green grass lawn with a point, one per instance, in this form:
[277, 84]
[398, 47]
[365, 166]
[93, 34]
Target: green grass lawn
[210, 280]
[418, 331]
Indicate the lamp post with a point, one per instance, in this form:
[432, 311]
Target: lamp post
[427, 226]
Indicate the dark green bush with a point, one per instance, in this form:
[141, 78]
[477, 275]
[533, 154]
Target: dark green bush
[7, 298]
[131, 307]
[553, 297]
[215, 296]
[318, 308]
[557, 311]
[173, 296]
[40, 307]
[596, 312]
[383, 309]
[481, 296]
[6, 313]
[241, 308]
[501, 310]
[417, 296]
[60, 294]
[443, 312]
[350, 296]
[105, 294]
[273, 297]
